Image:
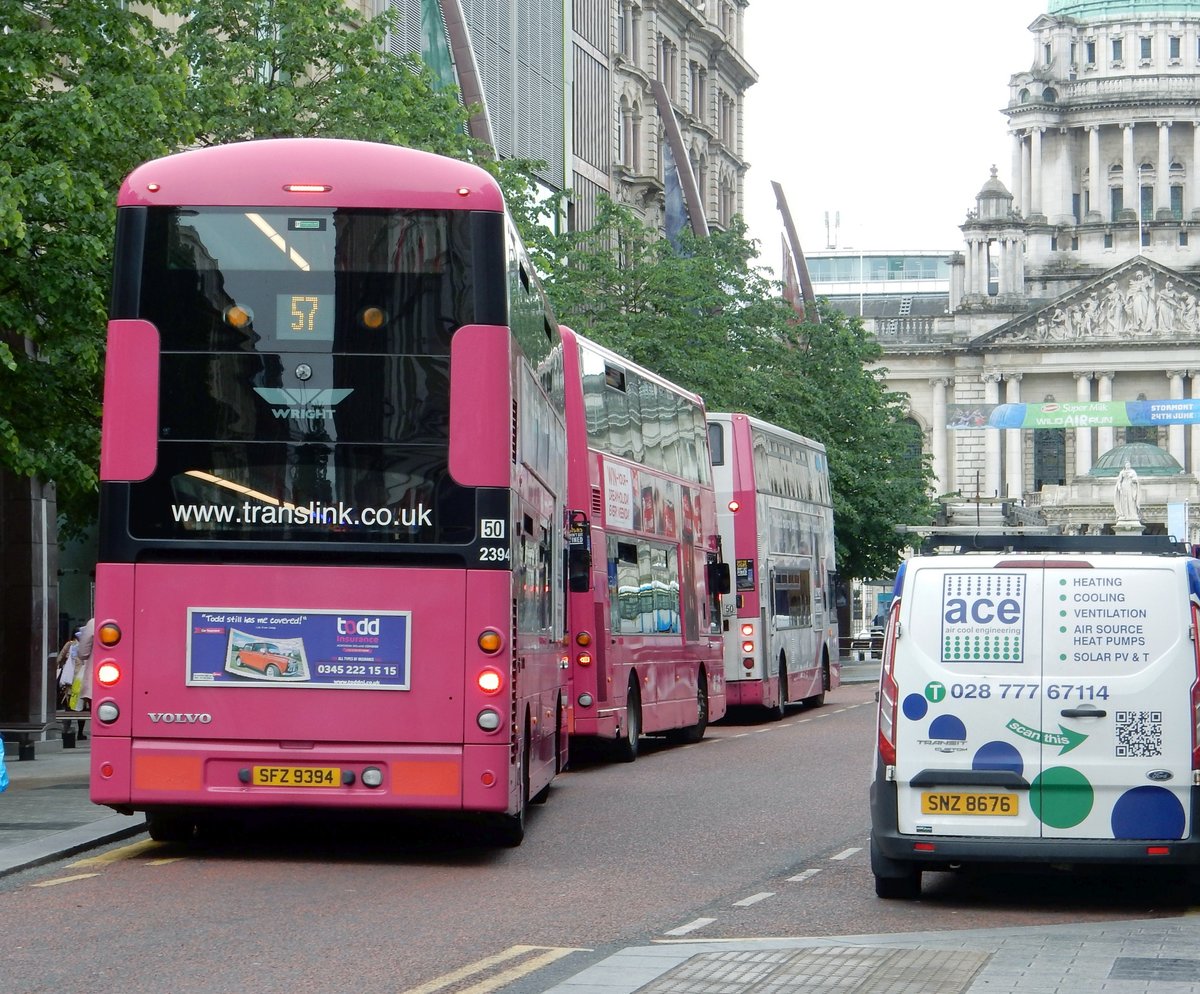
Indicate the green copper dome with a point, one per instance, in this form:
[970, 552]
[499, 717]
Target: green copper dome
[1085, 9]
[1144, 458]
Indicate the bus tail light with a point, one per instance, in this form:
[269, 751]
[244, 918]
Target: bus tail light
[490, 681]
[107, 712]
[488, 720]
[307, 187]
[583, 639]
[108, 634]
[747, 647]
[490, 641]
[748, 663]
[734, 506]
[747, 630]
[108, 673]
[584, 659]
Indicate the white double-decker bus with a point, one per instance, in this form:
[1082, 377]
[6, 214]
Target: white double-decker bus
[775, 518]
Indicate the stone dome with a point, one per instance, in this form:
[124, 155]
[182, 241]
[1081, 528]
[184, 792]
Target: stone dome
[1144, 458]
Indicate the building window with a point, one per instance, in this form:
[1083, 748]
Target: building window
[1173, 47]
[1108, 241]
[1177, 202]
[1183, 239]
[1089, 51]
[1147, 48]
[1116, 50]
[1046, 54]
[1147, 203]
[1116, 198]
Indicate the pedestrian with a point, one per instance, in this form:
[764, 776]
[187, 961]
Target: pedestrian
[65, 673]
[81, 685]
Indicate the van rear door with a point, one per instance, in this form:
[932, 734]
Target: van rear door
[1116, 716]
[969, 676]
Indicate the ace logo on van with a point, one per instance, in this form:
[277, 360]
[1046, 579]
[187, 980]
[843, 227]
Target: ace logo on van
[983, 617]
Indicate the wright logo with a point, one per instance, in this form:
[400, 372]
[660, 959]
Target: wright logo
[302, 404]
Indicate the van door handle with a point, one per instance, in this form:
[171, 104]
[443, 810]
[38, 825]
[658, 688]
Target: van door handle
[1087, 711]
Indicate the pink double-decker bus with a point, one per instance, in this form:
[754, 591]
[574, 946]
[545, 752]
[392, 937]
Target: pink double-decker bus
[332, 493]
[644, 611]
[775, 515]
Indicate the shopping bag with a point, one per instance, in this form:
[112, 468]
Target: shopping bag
[76, 686]
[3, 768]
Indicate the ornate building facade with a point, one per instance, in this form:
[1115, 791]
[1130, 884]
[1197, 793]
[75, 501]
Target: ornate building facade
[1077, 293]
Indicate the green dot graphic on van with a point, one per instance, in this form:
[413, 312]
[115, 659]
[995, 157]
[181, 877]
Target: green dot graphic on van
[1061, 797]
[935, 691]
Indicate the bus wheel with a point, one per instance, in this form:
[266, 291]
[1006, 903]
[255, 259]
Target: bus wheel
[776, 712]
[627, 747]
[510, 829]
[818, 699]
[694, 733]
[169, 826]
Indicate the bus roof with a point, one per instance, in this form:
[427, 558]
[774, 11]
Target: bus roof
[628, 364]
[346, 174]
[767, 427]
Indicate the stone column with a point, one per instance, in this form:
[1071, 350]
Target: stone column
[1014, 463]
[1065, 174]
[991, 437]
[1026, 177]
[1194, 180]
[1175, 440]
[1083, 436]
[1018, 160]
[937, 440]
[1162, 173]
[1193, 463]
[1129, 184]
[1096, 184]
[1105, 437]
[1035, 171]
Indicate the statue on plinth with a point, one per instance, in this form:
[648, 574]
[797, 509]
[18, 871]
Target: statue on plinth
[1125, 498]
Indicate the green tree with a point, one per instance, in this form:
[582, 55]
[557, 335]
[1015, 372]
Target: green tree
[714, 321]
[306, 68]
[88, 90]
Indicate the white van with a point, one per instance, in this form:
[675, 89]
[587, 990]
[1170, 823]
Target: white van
[1039, 707]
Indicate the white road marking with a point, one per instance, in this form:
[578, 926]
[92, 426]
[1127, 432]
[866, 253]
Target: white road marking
[690, 926]
[847, 853]
[745, 902]
[799, 878]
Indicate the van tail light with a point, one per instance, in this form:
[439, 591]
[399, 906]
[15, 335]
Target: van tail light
[889, 692]
[1196, 689]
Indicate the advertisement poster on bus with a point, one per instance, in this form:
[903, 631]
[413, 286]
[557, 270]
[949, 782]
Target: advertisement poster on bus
[246, 647]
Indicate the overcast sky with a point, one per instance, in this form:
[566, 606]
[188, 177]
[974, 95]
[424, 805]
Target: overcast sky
[887, 113]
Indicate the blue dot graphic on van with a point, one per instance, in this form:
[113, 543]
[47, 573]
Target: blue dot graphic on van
[1148, 813]
[915, 707]
[998, 756]
[948, 726]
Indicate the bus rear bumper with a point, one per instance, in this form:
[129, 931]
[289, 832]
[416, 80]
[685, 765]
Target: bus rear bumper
[140, 774]
[744, 693]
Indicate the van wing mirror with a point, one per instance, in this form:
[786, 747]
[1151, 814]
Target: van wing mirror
[579, 553]
[718, 578]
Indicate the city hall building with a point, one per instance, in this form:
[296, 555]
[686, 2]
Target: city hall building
[1065, 338]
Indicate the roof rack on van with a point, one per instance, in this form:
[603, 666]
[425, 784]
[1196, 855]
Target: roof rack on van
[963, 540]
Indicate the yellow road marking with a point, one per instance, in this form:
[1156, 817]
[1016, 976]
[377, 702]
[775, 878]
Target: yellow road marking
[548, 955]
[116, 855]
[64, 880]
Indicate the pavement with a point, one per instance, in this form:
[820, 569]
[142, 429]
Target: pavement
[46, 814]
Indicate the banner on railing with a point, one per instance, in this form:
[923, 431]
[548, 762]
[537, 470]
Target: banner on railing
[1075, 414]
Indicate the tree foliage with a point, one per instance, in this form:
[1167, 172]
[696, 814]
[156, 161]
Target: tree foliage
[714, 321]
[89, 90]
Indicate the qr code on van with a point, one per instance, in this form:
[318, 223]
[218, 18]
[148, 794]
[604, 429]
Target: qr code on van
[1139, 734]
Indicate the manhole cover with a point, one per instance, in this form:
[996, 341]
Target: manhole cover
[1149, 968]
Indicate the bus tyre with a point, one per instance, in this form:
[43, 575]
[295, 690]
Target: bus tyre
[818, 699]
[694, 733]
[169, 826]
[894, 880]
[775, 713]
[510, 829]
[627, 746]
